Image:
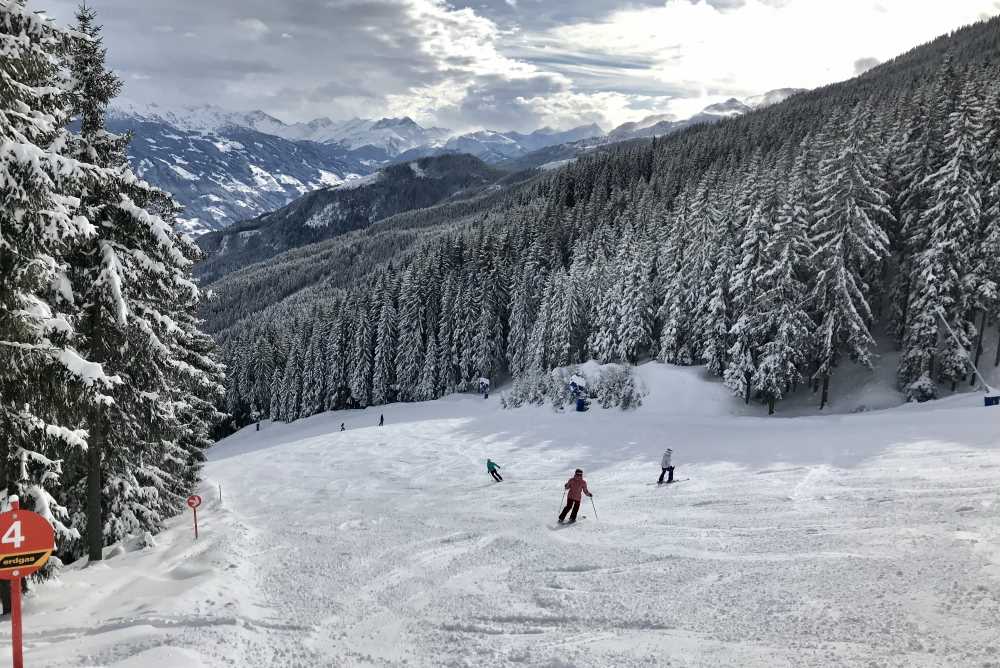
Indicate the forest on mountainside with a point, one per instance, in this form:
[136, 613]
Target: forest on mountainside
[330, 212]
[773, 248]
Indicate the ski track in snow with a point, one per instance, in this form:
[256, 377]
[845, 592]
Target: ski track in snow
[877, 543]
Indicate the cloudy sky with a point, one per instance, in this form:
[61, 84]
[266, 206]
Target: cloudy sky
[502, 64]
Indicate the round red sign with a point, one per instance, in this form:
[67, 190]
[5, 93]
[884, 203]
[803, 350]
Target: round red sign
[194, 501]
[26, 542]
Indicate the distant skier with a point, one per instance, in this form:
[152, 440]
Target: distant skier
[342, 427]
[381, 420]
[494, 470]
[577, 486]
[666, 466]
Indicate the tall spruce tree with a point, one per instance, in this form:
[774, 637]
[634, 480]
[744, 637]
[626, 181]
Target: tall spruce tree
[44, 381]
[850, 240]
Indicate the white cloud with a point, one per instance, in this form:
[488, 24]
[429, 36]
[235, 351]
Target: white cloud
[471, 63]
[757, 45]
[253, 28]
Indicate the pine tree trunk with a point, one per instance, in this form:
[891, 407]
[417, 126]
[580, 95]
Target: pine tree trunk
[746, 397]
[996, 362]
[95, 523]
[770, 406]
[826, 392]
[979, 344]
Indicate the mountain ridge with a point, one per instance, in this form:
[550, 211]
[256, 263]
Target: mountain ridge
[225, 166]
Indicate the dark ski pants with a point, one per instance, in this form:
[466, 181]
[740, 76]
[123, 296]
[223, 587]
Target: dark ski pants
[572, 504]
[664, 471]
[496, 476]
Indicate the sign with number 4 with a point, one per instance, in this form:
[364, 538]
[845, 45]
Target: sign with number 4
[26, 542]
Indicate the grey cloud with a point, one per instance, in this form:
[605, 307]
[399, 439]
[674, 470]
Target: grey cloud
[500, 103]
[862, 65]
[541, 14]
[300, 59]
[369, 47]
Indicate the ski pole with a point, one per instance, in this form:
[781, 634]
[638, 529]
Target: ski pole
[594, 505]
[561, 499]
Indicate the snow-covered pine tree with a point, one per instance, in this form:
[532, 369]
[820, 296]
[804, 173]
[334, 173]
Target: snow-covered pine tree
[944, 284]
[923, 156]
[782, 324]
[314, 373]
[337, 352]
[263, 371]
[578, 299]
[489, 342]
[276, 394]
[291, 380]
[719, 312]
[540, 356]
[985, 258]
[849, 240]
[680, 262]
[468, 321]
[362, 350]
[522, 317]
[196, 390]
[633, 321]
[447, 366]
[133, 291]
[601, 341]
[410, 352]
[384, 362]
[745, 286]
[44, 382]
[428, 387]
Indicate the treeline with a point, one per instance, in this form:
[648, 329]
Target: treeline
[772, 249]
[109, 389]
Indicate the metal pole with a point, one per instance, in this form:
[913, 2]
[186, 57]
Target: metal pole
[594, 506]
[965, 353]
[15, 623]
[16, 642]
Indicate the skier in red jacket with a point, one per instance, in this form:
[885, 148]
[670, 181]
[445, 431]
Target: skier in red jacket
[577, 486]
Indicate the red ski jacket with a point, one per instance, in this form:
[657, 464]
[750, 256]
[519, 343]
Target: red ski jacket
[576, 486]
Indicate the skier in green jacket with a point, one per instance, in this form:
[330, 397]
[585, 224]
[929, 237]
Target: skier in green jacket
[494, 470]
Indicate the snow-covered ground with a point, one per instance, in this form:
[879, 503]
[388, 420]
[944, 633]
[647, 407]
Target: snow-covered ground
[852, 539]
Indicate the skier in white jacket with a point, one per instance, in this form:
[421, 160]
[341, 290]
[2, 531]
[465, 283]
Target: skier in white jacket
[666, 466]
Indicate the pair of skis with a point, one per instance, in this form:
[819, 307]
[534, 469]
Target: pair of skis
[672, 482]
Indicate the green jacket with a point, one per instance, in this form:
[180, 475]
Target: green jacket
[491, 465]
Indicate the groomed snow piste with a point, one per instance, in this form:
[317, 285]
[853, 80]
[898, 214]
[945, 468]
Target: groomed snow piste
[865, 539]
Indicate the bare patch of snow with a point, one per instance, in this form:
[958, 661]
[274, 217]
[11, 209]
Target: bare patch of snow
[183, 173]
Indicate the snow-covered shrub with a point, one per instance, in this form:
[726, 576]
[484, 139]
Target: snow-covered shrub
[529, 388]
[610, 384]
[618, 386]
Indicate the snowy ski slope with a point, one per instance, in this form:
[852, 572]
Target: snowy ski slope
[868, 539]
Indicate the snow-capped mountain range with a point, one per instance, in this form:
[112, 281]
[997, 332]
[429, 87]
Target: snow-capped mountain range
[226, 166]
[653, 126]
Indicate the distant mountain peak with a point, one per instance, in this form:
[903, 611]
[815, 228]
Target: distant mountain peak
[771, 97]
[404, 122]
[731, 107]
